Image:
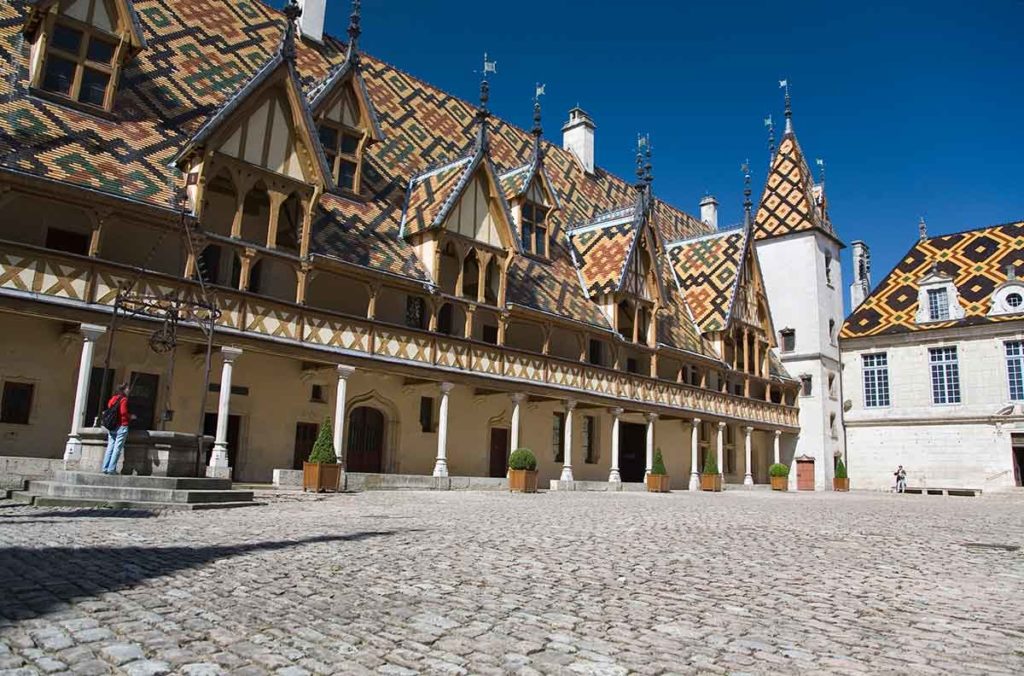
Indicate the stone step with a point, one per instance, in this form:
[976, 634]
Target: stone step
[57, 489]
[134, 481]
[27, 498]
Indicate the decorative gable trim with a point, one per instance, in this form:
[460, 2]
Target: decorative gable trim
[327, 93]
[127, 16]
[276, 70]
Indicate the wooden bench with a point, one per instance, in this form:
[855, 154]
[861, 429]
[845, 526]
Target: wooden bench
[931, 490]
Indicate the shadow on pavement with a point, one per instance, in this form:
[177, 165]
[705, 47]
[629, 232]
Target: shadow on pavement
[35, 581]
[86, 512]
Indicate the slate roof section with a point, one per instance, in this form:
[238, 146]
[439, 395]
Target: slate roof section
[788, 203]
[975, 259]
[707, 269]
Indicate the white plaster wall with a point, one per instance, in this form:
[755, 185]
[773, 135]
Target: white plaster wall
[947, 445]
[802, 299]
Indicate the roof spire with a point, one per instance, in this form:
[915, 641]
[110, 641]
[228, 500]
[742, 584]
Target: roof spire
[640, 143]
[291, 14]
[537, 129]
[784, 84]
[770, 123]
[648, 176]
[922, 229]
[354, 31]
[485, 94]
[747, 204]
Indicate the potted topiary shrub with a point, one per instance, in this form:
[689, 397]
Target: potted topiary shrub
[522, 471]
[841, 482]
[322, 471]
[780, 477]
[710, 479]
[658, 480]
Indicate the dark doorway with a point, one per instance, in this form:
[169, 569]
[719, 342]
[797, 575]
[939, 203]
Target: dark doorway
[632, 451]
[234, 435]
[142, 400]
[499, 452]
[365, 451]
[1018, 459]
[99, 394]
[305, 436]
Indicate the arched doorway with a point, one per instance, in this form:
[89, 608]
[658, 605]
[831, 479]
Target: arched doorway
[365, 451]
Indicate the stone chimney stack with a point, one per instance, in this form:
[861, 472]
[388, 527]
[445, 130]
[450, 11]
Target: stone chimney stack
[311, 21]
[709, 211]
[861, 274]
[578, 136]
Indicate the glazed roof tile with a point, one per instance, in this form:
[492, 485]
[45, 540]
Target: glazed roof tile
[707, 268]
[977, 261]
[789, 203]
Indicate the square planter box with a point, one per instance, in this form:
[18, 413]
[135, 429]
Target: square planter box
[780, 483]
[711, 482]
[319, 477]
[658, 483]
[842, 485]
[522, 480]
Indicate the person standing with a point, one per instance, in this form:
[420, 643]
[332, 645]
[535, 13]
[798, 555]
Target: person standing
[117, 438]
[901, 479]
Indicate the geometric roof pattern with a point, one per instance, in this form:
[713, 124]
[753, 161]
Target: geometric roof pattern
[976, 260]
[201, 53]
[788, 203]
[707, 270]
[602, 249]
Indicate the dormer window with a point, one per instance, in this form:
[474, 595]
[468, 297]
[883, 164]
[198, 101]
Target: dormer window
[534, 229]
[343, 148]
[1008, 298]
[938, 305]
[81, 58]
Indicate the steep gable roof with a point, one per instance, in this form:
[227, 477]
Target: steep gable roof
[707, 271]
[602, 249]
[789, 203]
[325, 93]
[125, 9]
[976, 260]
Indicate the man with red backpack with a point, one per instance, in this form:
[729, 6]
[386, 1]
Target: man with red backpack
[116, 419]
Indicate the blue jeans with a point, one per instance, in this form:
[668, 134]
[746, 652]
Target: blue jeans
[115, 444]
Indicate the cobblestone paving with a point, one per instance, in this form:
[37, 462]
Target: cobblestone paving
[402, 583]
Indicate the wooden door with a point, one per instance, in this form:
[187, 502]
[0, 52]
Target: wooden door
[365, 452]
[805, 475]
[305, 437]
[499, 452]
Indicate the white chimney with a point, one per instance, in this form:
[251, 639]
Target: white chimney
[709, 211]
[311, 21]
[861, 274]
[578, 136]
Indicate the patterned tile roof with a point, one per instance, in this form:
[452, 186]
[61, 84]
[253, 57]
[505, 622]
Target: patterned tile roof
[976, 260]
[790, 202]
[602, 248]
[431, 195]
[707, 268]
[201, 53]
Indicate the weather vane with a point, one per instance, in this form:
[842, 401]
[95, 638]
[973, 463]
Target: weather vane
[821, 165]
[539, 91]
[489, 66]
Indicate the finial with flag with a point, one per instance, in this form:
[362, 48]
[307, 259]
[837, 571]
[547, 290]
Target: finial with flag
[641, 143]
[538, 91]
[485, 88]
[770, 123]
[821, 166]
[745, 168]
[922, 230]
[784, 84]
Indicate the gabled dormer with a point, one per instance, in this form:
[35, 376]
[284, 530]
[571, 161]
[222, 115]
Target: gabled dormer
[78, 48]
[938, 299]
[345, 117]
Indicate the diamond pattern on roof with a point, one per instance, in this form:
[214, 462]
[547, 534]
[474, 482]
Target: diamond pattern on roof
[707, 269]
[788, 203]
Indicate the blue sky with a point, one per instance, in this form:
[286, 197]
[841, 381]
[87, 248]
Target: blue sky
[916, 107]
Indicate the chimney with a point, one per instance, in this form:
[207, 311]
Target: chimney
[861, 273]
[578, 136]
[709, 211]
[311, 21]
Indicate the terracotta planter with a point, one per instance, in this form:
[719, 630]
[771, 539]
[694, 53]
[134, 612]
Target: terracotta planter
[658, 483]
[320, 476]
[841, 484]
[522, 480]
[780, 483]
[711, 482]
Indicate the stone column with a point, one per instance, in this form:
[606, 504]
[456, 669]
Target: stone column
[570, 404]
[339, 411]
[651, 417]
[441, 464]
[219, 465]
[90, 334]
[748, 477]
[721, 450]
[517, 402]
[613, 475]
[778, 435]
[695, 454]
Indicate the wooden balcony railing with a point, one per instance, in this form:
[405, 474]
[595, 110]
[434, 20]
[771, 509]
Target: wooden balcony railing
[51, 276]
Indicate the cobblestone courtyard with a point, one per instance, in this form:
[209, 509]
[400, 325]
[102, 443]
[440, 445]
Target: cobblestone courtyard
[494, 583]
